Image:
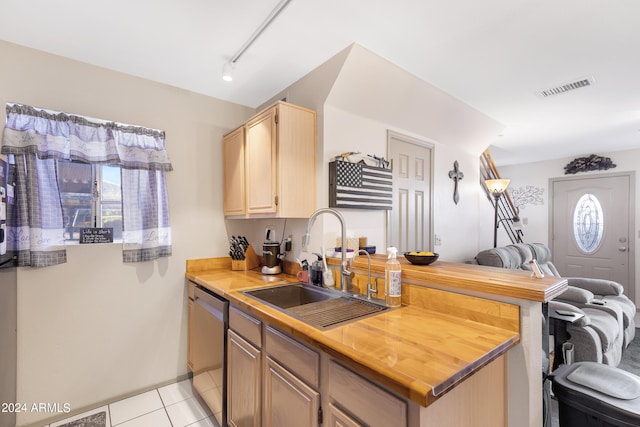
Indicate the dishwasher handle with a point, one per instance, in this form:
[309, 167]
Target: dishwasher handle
[218, 307]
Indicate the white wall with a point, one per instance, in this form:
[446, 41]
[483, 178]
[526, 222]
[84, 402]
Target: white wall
[538, 175]
[455, 224]
[359, 96]
[458, 225]
[94, 328]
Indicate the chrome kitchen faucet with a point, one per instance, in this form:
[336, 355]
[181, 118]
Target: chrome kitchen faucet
[345, 274]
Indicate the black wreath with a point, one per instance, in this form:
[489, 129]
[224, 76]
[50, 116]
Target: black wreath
[591, 163]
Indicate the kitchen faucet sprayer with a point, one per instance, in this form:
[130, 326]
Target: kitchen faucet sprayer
[345, 274]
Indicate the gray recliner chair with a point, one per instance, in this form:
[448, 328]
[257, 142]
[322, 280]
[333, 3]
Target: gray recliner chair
[598, 291]
[596, 337]
[599, 335]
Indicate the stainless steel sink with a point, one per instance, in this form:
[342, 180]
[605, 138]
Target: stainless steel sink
[319, 307]
[290, 295]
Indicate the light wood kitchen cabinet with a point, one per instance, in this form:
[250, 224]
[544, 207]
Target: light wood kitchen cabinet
[353, 397]
[289, 402]
[303, 361]
[244, 371]
[233, 172]
[292, 380]
[275, 380]
[261, 163]
[279, 176]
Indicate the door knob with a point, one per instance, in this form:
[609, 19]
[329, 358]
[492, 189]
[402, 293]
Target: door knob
[622, 248]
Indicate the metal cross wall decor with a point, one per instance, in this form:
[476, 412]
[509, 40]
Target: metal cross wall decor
[456, 175]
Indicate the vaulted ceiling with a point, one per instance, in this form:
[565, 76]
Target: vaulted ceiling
[495, 55]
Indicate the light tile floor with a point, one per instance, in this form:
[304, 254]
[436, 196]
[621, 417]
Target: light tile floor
[174, 405]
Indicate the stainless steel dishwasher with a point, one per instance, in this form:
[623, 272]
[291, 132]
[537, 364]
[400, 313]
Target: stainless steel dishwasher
[208, 347]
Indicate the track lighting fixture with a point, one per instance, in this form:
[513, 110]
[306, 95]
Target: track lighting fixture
[227, 69]
[227, 72]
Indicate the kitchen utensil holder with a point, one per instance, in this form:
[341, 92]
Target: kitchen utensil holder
[249, 262]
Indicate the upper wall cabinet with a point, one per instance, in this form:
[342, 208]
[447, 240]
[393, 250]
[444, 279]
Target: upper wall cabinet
[277, 178]
[233, 175]
[261, 161]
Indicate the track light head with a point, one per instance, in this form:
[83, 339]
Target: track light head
[227, 72]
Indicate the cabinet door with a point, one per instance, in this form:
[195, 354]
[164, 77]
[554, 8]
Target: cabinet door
[296, 161]
[289, 402]
[233, 172]
[367, 401]
[337, 418]
[260, 163]
[243, 382]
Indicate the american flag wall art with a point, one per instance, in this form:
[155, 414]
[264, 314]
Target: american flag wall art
[359, 186]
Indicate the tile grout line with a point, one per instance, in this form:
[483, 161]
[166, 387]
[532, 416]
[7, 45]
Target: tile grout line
[164, 406]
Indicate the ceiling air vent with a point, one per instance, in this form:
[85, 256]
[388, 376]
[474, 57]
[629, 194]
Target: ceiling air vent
[567, 87]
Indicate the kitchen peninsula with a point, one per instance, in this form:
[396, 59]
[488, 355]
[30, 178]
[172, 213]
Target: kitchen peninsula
[442, 357]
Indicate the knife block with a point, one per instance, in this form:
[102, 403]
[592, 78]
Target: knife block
[249, 262]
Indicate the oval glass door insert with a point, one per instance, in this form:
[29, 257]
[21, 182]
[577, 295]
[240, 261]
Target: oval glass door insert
[588, 223]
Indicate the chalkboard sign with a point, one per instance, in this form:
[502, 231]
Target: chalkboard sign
[96, 235]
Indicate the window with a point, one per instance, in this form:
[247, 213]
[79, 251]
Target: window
[91, 197]
[588, 223]
[62, 184]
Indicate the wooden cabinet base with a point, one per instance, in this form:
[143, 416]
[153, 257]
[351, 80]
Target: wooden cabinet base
[480, 400]
[367, 401]
[288, 383]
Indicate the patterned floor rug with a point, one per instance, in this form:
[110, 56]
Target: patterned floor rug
[95, 420]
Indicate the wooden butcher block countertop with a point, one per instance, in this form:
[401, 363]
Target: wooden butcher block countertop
[470, 277]
[435, 340]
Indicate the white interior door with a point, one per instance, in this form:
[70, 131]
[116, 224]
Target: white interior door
[590, 228]
[409, 221]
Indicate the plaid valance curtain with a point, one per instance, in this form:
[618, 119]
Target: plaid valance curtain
[34, 139]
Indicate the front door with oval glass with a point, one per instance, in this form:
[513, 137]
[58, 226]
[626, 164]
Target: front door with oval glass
[590, 228]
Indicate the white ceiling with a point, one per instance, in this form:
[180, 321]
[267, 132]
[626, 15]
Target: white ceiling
[495, 55]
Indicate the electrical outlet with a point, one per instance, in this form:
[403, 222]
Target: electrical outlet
[438, 240]
[287, 243]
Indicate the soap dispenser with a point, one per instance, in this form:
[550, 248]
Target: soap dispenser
[392, 279]
[317, 271]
